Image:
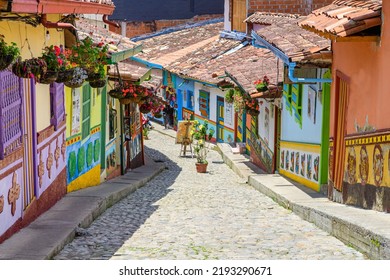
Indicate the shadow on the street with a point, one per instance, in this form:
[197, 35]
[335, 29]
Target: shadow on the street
[111, 230]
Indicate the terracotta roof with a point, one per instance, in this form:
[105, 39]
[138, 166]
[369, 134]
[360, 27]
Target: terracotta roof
[129, 71]
[166, 48]
[99, 34]
[246, 64]
[299, 45]
[345, 17]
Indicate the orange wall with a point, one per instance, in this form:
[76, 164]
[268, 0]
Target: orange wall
[367, 64]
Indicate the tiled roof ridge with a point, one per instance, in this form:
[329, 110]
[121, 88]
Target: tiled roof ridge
[369, 4]
[276, 14]
[254, 18]
[177, 28]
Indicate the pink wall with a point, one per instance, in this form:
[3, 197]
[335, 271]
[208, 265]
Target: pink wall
[367, 64]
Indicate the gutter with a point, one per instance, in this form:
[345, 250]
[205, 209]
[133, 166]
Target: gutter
[60, 25]
[147, 63]
[281, 55]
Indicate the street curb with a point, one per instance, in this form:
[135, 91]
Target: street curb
[108, 201]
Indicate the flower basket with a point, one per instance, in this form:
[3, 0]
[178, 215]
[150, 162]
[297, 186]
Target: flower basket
[253, 112]
[124, 101]
[92, 76]
[144, 110]
[78, 78]
[158, 115]
[116, 93]
[29, 68]
[64, 76]
[48, 77]
[98, 83]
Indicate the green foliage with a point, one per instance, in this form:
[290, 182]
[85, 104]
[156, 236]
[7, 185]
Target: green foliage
[89, 154]
[229, 96]
[201, 133]
[72, 164]
[89, 56]
[8, 53]
[81, 159]
[96, 154]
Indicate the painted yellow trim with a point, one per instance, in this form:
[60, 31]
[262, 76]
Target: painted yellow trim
[301, 180]
[89, 179]
[204, 119]
[369, 140]
[73, 140]
[95, 129]
[312, 148]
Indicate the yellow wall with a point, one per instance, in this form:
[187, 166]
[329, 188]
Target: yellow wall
[32, 40]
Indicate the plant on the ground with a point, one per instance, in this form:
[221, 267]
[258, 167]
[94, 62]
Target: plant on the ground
[201, 133]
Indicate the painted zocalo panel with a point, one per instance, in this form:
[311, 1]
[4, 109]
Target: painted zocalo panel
[51, 158]
[301, 162]
[11, 199]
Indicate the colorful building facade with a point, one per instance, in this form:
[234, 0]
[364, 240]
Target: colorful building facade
[359, 126]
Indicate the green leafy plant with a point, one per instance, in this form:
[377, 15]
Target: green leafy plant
[262, 85]
[91, 57]
[229, 96]
[202, 134]
[8, 53]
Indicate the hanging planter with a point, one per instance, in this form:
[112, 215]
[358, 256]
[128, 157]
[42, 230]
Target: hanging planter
[29, 68]
[78, 78]
[65, 75]
[262, 85]
[48, 77]
[8, 53]
[98, 83]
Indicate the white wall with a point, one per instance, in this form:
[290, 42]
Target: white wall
[227, 22]
[267, 128]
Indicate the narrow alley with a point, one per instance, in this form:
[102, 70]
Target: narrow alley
[185, 215]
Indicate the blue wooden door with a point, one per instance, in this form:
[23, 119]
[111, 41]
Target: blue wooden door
[220, 118]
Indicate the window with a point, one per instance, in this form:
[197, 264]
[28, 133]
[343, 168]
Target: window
[190, 100]
[57, 105]
[204, 107]
[287, 92]
[86, 121]
[11, 112]
[296, 102]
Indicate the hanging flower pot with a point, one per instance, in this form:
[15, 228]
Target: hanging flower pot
[98, 83]
[78, 79]
[125, 101]
[65, 75]
[48, 77]
[29, 68]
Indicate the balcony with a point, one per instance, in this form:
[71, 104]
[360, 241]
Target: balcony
[104, 7]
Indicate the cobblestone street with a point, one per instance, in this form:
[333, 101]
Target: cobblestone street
[185, 215]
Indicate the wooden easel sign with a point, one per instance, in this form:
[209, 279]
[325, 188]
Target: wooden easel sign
[183, 136]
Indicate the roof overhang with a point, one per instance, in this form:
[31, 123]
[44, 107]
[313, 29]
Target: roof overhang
[125, 54]
[55, 7]
[335, 38]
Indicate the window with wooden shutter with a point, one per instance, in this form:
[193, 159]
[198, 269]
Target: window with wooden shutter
[86, 123]
[11, 110]
[204, 106]
[57, 104]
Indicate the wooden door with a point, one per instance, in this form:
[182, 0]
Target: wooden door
[342, 91]
[220, 118]
[239, 15]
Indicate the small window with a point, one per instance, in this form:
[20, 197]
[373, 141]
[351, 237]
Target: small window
[86, 123]
[190, 100]
[204, 105]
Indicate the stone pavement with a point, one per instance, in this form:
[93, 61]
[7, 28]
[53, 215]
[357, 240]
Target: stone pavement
[181, 214]
[185, 215]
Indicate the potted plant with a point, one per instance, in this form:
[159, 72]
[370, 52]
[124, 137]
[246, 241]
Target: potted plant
[8, 53]
[252, 107]
[229, 96]
[54, 61]
[201, 133]
[66, 69]
[29, 68]
[79, 76]
[262, 85]
[92, 58]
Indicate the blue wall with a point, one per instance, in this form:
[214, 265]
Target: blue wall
[183, 86]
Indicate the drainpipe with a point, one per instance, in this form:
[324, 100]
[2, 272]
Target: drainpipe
[293, 79]
[105, 20]
[59, 25]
